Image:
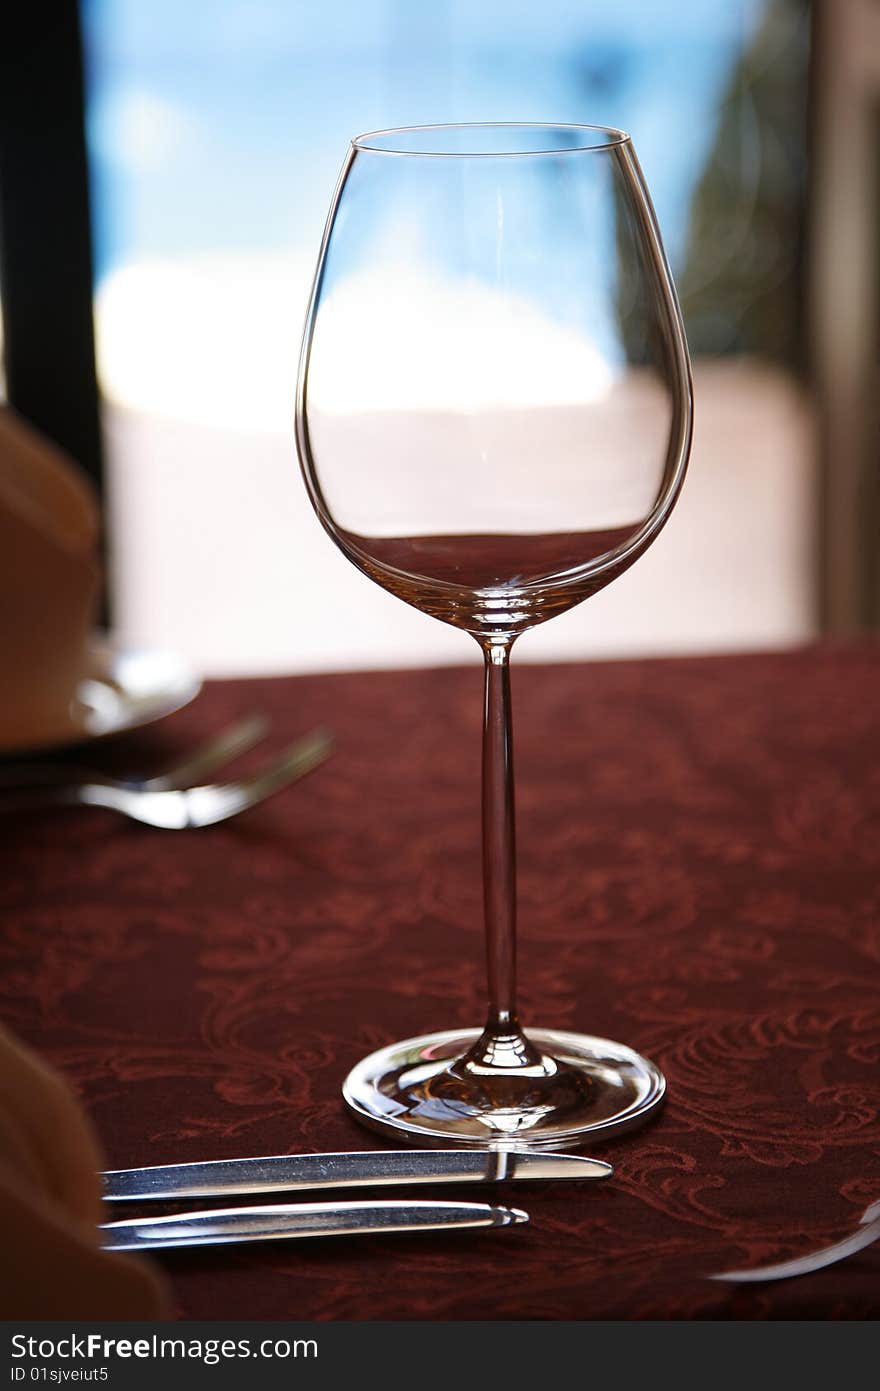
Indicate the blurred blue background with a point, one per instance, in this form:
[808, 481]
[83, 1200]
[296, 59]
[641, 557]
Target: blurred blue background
[216, 131]
[222, 123]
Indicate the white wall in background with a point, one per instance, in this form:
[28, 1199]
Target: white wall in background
[219, 556]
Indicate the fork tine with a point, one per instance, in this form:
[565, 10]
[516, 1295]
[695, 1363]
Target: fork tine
[175, 808]
[207, 806]
[236, 739]
[222, 748]
[296, 760]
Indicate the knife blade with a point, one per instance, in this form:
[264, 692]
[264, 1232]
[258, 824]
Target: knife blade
[288, 1220]
[292, 1173]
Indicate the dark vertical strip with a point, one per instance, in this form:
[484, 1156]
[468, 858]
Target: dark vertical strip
[45, 233]
[820, 540]
[872, 506]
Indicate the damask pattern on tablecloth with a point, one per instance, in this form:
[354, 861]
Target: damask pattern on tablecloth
[699, 877]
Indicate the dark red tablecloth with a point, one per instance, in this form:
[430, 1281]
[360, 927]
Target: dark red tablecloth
[699, 876]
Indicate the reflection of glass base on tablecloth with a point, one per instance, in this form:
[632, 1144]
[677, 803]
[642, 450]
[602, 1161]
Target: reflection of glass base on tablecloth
[582, 1091]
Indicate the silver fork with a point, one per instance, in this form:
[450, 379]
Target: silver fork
[868, 1232]
[176, 809]
[221, 748]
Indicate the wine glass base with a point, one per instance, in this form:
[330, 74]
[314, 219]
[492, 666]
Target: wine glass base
[585, 1090]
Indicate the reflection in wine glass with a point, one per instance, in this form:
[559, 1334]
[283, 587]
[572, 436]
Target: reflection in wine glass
[493, 420]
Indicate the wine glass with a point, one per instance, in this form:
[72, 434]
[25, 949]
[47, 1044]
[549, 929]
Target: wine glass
[493, 420]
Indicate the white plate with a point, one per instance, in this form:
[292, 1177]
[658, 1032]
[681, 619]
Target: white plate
[124, 690]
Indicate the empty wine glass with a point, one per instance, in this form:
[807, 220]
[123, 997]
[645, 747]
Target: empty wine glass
[493, 420]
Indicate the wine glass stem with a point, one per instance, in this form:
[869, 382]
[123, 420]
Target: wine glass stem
[499, 841]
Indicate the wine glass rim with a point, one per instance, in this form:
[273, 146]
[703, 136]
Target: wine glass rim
[371, 141]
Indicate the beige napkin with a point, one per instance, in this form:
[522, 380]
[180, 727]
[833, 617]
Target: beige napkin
[49, 584]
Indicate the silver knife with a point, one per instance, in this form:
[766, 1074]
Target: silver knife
[292, 1173]
[275, 1223]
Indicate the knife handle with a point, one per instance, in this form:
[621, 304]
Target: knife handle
[279, 1221]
